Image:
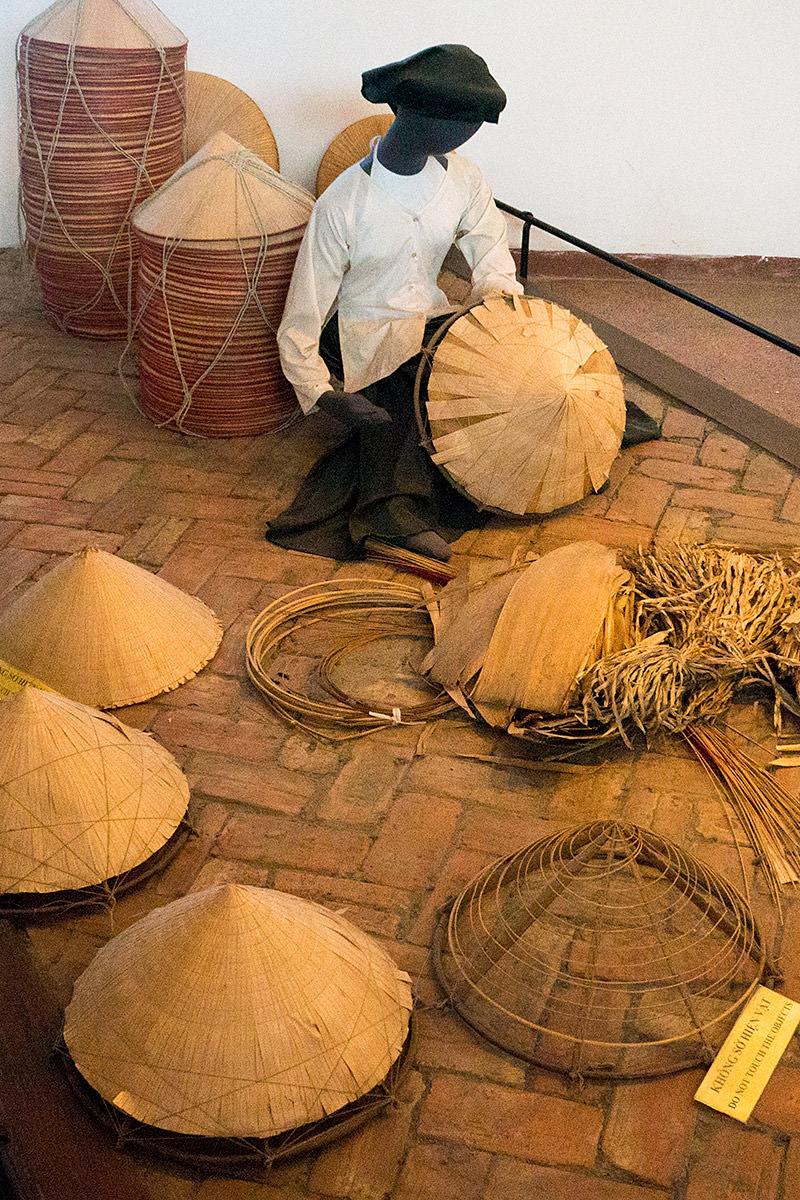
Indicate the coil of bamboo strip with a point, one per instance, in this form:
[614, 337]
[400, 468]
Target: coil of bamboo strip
[217, 249]
[101, 126]
[237, 1012]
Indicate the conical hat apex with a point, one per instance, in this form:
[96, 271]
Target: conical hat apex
[83, 798]
[105, 24]
[273, 1012]
[106, 632]
[222, 193]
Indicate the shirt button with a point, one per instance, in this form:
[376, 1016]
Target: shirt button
[414, 254]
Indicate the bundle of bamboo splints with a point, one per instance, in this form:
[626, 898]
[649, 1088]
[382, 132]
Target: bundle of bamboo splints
[101, 126]
[217, 248]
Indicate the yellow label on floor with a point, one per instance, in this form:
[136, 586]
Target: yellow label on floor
[13, 680]
[742, 1069]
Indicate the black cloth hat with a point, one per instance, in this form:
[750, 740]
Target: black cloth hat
[443, 81]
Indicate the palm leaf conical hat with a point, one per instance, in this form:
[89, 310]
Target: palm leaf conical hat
[106, 632]
[350, 146]
[213, 104]
[83, 798]
[237, 1012]
[525, 405]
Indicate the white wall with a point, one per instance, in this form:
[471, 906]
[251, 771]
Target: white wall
[645, 127]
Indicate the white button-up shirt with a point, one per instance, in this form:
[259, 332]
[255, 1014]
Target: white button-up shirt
[377, 262]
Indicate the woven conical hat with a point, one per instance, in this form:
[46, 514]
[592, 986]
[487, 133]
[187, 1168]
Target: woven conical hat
[213, 104]
[525, 406]
[83, 798]
[350, 146]
[106, 632]
[222, 193]
[237, 1012]
[111, 24]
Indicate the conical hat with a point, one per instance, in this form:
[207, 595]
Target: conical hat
[111, 24]
[222, 193]
[525, 406]
[106, 632]
[237, 1012]
[213, 104]
[350, 146]
[83, 798]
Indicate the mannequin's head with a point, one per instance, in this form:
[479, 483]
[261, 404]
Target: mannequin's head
[433, 135]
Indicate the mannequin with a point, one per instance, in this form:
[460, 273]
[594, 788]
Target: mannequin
[364, 300]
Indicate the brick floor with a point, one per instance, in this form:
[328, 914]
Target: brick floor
[387, 828]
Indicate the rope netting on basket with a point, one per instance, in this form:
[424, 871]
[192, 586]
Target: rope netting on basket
[101, 126]
[601, 950]
[217, 245]
[238, 1025]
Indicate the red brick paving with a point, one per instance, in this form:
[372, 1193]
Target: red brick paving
[387, 828]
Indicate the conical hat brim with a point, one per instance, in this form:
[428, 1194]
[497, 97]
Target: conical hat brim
[223, 193]
[109, 24]
[237, 1012]
[108, 633]
[213, 104]
[350, 146]
[525, 405]
[83, 798]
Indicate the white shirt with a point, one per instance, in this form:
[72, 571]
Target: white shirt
[372, 257]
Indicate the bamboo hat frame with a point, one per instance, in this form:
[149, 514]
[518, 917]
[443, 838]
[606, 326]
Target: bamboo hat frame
[350, 146]
[237, 1012]
[214, 104]
[108, 633]
[520, 405]
[85, 802]
[101, 125]
[602, 951]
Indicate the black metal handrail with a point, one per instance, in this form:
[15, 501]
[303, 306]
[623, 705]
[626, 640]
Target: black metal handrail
[528, 219]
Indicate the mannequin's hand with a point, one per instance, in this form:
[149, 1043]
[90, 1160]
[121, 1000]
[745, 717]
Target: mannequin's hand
[353, 410]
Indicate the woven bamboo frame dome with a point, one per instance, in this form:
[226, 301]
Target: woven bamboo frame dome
[520, 405]
[603, 950]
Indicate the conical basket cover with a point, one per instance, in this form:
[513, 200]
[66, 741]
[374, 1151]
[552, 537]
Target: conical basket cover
[237, 1012]
[601, 950]
[106, 632]
[525, 406]
[83, 798]
[350, 146]
[111, 24]
[213, 104]
[223, 193]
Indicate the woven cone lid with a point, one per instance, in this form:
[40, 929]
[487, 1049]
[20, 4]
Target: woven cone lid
[237, 1012]
[106, 632]
[111, 24]
[350, 146]
[83, 797]
[213, 104]
[222, 193]
[525, 405]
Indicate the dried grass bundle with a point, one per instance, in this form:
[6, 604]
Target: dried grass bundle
[407, 560]
[769, 814]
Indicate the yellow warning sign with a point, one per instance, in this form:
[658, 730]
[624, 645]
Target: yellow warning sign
[13, 680]
[752, 1049]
